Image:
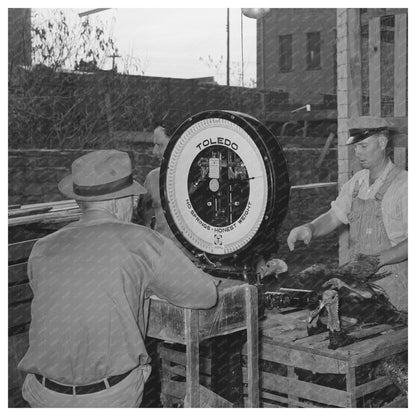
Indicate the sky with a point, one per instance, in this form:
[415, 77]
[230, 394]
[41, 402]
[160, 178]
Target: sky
[179, 42]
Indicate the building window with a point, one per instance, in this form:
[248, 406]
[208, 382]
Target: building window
[285, 53]
[313, 57]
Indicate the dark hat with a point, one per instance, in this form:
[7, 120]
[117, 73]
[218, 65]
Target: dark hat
[357, 135]
[99, 176]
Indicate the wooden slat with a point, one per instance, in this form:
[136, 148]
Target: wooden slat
[179, 370]
[400, 64]
[351, 385]
[18, 273]
[377, 348]
[299, 356]
[21, 250]
[251, 306]
[372, 386]
[47, 218]
[20, 293]
[19, 314]
[192, 358]
[374, 66]
[354, 63]
[209, 399]
[179, 357]
[279, 399]
[400, 157]
[304, 390]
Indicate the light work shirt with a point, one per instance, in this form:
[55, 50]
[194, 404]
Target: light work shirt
[394, 205]
[91, 282]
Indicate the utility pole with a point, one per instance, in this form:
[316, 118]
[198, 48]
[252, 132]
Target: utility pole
[114, 56]
[228, 46]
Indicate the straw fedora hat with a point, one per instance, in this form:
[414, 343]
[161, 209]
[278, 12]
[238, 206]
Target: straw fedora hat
[99, 176]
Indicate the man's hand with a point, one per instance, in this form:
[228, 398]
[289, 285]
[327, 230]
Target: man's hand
[304, 232]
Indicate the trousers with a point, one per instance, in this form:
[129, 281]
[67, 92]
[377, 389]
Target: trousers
[127, 393]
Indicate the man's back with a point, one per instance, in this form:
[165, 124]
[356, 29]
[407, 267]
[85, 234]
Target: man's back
[90, 281]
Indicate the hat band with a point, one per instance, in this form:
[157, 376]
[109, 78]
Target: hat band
[107, 188]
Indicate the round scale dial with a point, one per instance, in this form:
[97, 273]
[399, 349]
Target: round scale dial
[217, 180]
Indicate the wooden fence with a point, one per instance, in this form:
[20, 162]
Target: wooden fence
[372, 71]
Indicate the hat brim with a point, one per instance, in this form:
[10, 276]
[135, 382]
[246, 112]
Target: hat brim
[358, 135]
[66, 186]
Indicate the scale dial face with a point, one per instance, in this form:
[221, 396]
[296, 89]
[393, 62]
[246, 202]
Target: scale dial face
[216, 186]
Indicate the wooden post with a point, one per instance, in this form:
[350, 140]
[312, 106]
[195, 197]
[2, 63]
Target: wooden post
[291, 375]
[252, 320]
[192, 358]
[400, 65]
[400, 76]
[374, 52]
[348, 97]
[351, 386]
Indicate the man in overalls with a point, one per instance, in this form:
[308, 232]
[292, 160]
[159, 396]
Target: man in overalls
[374, 204]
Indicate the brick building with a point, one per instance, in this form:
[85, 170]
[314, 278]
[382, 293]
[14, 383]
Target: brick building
[296, 52]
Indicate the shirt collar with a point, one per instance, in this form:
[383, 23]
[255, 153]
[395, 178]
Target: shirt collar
[389, 166]
[94, 216]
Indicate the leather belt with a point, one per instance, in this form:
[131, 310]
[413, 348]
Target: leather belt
[86, 389]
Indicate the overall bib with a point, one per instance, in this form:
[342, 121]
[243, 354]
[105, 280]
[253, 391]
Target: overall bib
[368, 236]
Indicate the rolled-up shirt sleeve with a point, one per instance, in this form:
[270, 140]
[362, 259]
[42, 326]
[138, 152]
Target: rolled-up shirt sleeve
[180, 282]
[341, 207]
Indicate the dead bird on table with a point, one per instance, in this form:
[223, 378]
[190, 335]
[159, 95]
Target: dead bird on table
[352, 297]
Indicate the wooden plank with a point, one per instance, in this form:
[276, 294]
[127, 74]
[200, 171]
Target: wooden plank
[313, 115]
[292, 375]
[192, 358]
[400, 64]
[324, 361]
[372, 386]
[378, 354]
[20, 293]
[251, 306]
[304, 390]
[19, 314]
[209, 399]
[174, 388]
[278, 400]
[374, 66]
[351, 385]
[180, 370]
[376, 348]
[400, 157]
[47, 218]
[354, 63]
[314, 186]
[18, 273]
[179, 357]
[21, 250]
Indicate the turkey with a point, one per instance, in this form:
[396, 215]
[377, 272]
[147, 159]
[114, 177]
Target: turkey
[351, 297]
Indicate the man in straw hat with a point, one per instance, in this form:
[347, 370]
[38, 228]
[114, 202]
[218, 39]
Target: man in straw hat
[374, 205]
[91, 282]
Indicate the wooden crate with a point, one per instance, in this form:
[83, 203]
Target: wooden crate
[297, 370]
[173, 373]
[220, 372]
